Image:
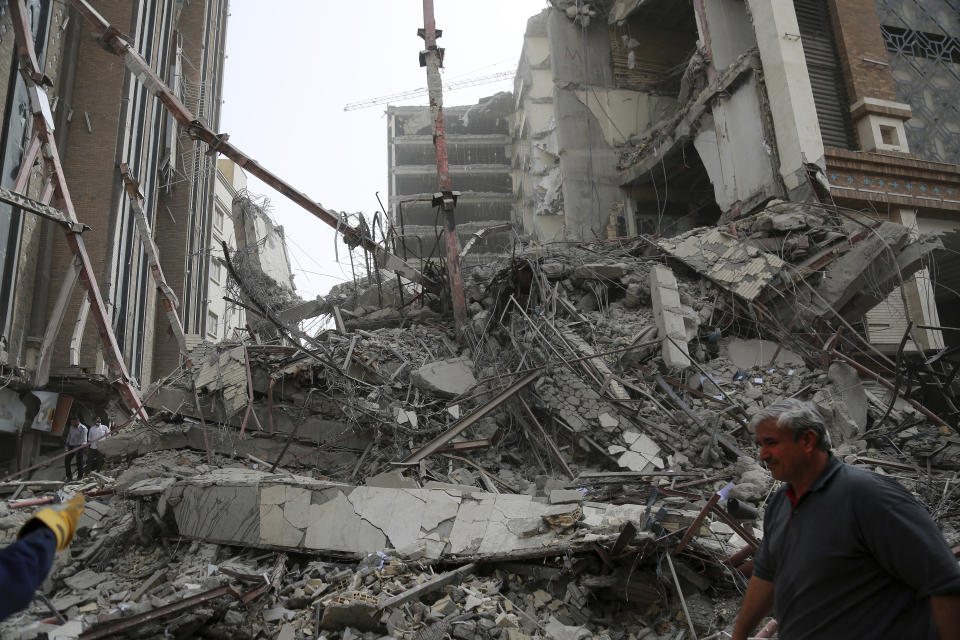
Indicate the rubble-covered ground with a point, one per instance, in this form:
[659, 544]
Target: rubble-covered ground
[548, 476]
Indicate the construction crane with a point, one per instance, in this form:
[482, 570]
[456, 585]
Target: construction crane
[416, 93]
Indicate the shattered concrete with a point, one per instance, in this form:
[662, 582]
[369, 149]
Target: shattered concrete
[252, 508]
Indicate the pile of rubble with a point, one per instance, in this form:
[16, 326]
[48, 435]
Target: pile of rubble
[577, 467]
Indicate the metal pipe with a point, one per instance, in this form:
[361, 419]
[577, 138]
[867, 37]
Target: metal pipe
[114, 41]
[692, 529]
[867, 372]
[38, 501]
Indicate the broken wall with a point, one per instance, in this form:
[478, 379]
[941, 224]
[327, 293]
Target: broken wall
[261, 260]
[580, 60]
[571, 117]
[739, 155]
[537, 179]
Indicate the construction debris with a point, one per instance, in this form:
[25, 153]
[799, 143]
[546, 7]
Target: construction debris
[581, 469]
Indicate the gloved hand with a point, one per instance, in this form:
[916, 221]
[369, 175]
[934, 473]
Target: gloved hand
[61, 519]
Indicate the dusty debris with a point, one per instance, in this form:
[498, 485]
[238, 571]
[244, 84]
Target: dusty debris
[527, 485]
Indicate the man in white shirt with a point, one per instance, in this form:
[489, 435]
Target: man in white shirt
[97, 432]
[76, 437]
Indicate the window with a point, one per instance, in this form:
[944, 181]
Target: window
[889, 136]
[216, 270]
[218, 216]
[212, 320]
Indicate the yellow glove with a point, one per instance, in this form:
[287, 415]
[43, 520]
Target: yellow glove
[61, 519]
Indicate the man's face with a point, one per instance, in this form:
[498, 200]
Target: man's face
[786, 458]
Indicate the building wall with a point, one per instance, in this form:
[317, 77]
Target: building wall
[25, 236]
[92, 142]
[105, 117]
[222, 316]
[906, 117]
[184, 237]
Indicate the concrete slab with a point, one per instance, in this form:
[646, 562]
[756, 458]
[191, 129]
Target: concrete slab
[336, 526]
[391, 480]
[445, 377]
[398, 514]
[846, 387]
[249, 508]
[750, 354]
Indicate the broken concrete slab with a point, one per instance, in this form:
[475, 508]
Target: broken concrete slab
[86, 579]
[751, 354]
[251, 508]
[603, 271]
[560, 496]
[448, 378]
[391, 480]
[714, 253]
[846, 387]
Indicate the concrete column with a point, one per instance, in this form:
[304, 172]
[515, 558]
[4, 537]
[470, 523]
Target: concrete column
[668, 313]
[920, 294]
[788, 87]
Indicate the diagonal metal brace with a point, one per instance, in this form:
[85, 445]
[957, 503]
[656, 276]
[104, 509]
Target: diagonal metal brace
[43, 210]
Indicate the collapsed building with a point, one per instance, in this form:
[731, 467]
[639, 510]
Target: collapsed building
[575, 462]
[552, 479]
[644, 117]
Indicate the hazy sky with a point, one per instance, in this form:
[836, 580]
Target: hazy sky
[291, 67]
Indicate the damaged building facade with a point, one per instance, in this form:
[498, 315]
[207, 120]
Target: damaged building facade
[114, 140]
[575, 461]
[640, 116]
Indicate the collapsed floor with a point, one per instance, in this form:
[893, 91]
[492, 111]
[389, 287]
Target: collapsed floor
[581, 469]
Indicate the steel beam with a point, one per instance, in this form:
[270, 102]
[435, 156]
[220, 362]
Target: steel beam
[43, 129]
[438, 443]
[41, 374]
[41, 209]
[117, 43]
[167, 297]
[76, 339]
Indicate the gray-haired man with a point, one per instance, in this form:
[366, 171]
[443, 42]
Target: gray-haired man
[846, 553]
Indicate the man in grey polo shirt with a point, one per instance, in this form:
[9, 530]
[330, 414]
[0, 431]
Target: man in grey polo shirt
[846, 553]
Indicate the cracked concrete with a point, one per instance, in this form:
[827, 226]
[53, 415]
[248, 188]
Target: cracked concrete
[238, 506]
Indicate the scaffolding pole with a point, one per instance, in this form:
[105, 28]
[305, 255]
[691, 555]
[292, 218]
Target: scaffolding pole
[115, 42]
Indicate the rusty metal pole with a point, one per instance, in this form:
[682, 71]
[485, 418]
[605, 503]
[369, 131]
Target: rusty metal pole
[432, 58]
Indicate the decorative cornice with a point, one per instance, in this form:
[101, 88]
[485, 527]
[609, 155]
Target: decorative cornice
[899, 179]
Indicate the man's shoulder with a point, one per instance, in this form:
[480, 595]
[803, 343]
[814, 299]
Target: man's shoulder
[864, 484]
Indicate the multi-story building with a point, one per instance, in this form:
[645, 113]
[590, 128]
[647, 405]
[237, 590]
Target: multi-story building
[478, 148]
[105, 117]
[222, 316]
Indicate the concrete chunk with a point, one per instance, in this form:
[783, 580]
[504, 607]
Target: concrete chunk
[445, 377]
[668, 313]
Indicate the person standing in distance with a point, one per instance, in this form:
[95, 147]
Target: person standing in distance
[97, 432]
[76, 436]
